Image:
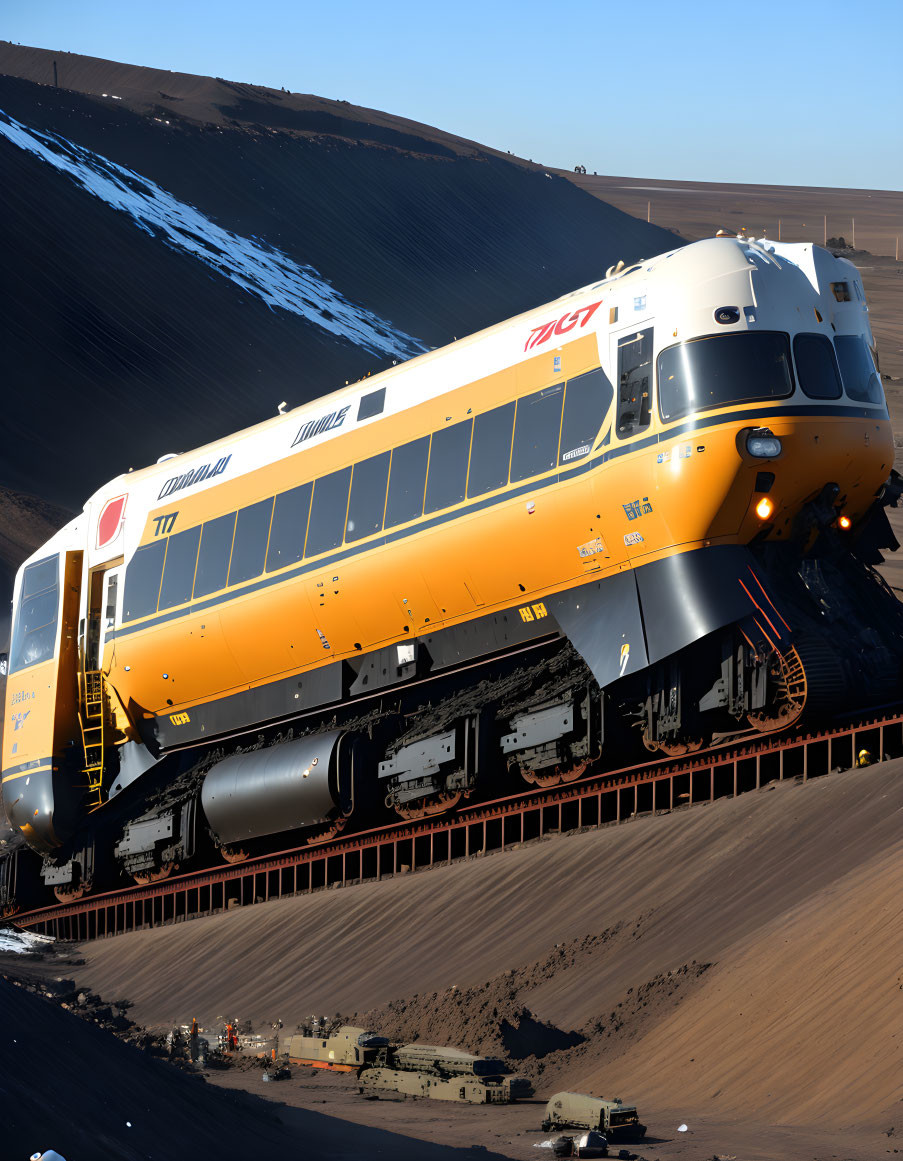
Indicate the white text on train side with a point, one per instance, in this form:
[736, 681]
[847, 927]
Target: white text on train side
[204, 472]
[318, 426]
[561, 326]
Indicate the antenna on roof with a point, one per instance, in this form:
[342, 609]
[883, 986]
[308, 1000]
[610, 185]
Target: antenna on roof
[282, 407]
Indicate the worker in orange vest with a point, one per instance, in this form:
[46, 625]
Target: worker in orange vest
[231, 1038]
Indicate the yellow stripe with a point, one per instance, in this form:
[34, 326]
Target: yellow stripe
[25, 773]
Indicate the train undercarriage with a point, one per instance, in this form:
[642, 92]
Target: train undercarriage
[532, 716]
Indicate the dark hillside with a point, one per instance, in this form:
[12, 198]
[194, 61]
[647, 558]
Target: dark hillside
[131, 325]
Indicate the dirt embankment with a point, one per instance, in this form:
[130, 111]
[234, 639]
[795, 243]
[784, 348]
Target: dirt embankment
[739, 958]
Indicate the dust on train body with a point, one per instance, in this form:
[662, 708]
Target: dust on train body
[646, 510]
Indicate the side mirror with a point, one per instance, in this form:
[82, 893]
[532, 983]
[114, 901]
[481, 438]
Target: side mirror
[4, 664]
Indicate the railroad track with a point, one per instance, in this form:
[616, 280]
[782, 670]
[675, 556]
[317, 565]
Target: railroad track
[597, 800]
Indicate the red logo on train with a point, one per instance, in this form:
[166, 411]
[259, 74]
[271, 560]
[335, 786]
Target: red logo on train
[561, 326]
[110, 521]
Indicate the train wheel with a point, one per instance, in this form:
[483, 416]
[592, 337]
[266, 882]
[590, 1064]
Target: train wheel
[436, 804]
[672, 747]
[792, 693]
[327, 832]
[70, 894]
[556, 776]
[146, 878]
[233, 854]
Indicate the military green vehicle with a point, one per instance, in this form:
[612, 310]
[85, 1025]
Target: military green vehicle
[342, 1049]
[613, 1119]
[444, 1061]
[484, 1090]
[444, 1074]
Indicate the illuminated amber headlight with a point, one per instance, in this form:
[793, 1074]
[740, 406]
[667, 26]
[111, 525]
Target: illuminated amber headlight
[763, 445]
[764, 508]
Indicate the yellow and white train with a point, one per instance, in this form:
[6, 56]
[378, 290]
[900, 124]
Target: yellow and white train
[650, 503]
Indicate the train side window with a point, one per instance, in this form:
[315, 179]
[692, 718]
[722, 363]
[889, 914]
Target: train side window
[634, 383]
[178, 570]
[490, 452]
[407, 480]
[447, 476]
[587, 399]
[252, 528]
[213, 559]
[327, 512]
[142, 581]
[34, 633]
[857, 369]
[816, 366]
[289, 527]
[368, 496]
[371, 404]
[537, 426]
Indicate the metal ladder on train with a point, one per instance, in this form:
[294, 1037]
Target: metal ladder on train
[92, 719]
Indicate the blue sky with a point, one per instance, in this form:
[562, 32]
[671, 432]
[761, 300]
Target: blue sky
[790, 93]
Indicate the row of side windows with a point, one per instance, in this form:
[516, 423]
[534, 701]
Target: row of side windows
[554, 426]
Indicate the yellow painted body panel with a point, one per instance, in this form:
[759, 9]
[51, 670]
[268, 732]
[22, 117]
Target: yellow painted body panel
[41, 725]
[496, 557]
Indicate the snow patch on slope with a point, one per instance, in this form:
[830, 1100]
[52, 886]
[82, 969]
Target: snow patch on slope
[22, 942]
[256, 267]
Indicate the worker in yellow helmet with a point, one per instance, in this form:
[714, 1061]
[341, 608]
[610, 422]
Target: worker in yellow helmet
[863, 758]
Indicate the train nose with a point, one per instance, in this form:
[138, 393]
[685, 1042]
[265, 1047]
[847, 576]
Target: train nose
[29, 800]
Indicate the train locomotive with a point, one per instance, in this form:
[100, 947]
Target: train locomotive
[643, 515]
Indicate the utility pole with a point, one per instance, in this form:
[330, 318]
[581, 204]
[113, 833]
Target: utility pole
[779, 229]
[853, 243]
[826, 229]
[649, 211]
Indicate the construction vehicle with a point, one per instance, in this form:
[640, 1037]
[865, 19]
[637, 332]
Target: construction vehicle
[613, 1119]
[444, 1074]
[342, 1049]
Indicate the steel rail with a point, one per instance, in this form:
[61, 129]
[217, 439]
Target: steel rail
[596, 800]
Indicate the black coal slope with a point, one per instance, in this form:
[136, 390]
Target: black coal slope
[119, 347]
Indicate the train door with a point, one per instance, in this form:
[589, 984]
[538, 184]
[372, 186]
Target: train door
[631, 356]
[109, 601]
[632, 477]
[103, 597]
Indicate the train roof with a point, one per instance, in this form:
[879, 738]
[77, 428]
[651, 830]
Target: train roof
[353, 390]
[473, 357]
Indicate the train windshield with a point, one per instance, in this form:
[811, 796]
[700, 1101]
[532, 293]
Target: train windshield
[857, 369]
[34, 631]
[723, 369]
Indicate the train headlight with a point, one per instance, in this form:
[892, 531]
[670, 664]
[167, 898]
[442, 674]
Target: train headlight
[764, 508]
[845, 522]
[763, 445]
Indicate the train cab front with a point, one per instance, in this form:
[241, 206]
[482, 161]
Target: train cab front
[772, 419]
[763, 450]
[39, 791]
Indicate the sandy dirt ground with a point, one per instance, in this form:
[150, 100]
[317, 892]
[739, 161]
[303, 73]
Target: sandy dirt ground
[751, 991]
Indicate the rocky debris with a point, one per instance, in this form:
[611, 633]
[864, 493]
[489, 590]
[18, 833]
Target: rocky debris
[840, 248]
[663, 986]
[488, 1020]
[494, 1019]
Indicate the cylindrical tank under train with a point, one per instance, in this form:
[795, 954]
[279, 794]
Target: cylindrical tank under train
[646, 513]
